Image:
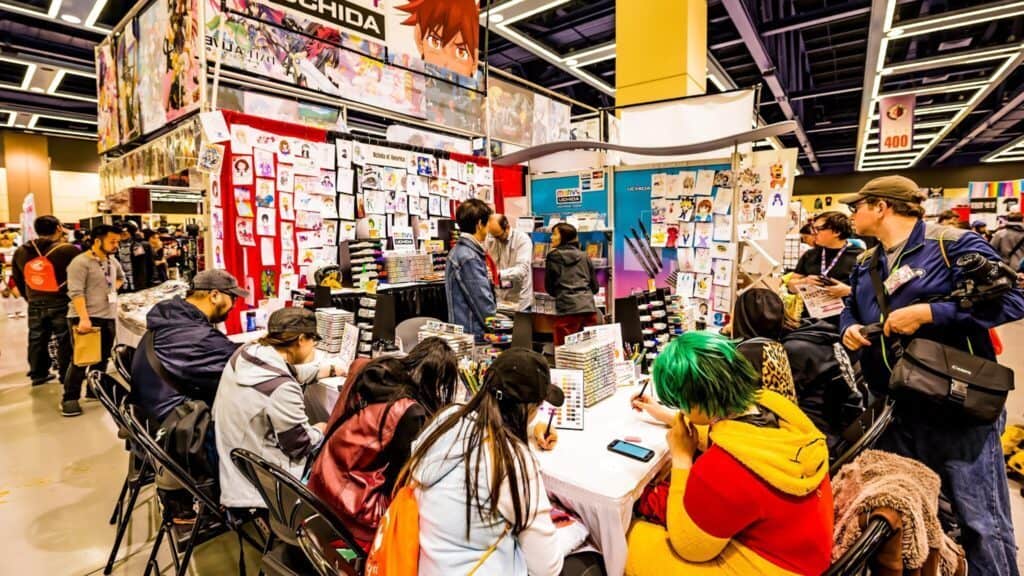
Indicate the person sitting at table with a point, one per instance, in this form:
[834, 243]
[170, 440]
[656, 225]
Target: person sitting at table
[570, 279]
[370, 434]
[758, 501]
[757, 324]
[482, 504]
[259, 404]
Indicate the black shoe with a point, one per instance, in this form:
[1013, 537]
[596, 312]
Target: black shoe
[69, 408]
[44, 380]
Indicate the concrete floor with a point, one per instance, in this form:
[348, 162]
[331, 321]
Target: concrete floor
[60, 477]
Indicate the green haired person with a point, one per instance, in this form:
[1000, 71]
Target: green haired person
[758, 500]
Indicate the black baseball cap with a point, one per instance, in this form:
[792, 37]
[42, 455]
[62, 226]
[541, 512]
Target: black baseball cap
[524, 376]
[218, 280]
[890, 188]
[294, 320]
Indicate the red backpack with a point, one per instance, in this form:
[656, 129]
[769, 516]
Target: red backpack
[40, 274]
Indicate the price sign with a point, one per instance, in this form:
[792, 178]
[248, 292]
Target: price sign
[896, 123]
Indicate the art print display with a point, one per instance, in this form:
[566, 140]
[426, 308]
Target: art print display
[722, 271]
[685, 237]
[266, 221]
[702, 235]
[722, 299]
[285, 177]
[287, 206]
[243, 203]
[128, 108]
[244, 232]
[265, 197]
[169, 53]
[444, 35]
[345, 180]
[107, 132]
[264, 163]
[702, 287]
[723, 228]
[309, 220]
[241, 170]
[346, 207]
[551, 120]
[211, 156]
[241, 139]
[287, 236]
[267, 252]
[329, 207]
[703, 209]
[215, 193]
[343, 150]
[511, 112]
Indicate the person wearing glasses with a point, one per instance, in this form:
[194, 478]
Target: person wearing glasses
[831, 260]
[916, 262]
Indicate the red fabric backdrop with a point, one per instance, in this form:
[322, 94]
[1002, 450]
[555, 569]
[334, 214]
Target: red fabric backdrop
[508, 180]
[244, 261]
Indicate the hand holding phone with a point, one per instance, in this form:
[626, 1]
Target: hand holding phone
[826, 281]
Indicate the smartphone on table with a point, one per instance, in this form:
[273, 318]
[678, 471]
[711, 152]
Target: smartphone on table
[630, 450]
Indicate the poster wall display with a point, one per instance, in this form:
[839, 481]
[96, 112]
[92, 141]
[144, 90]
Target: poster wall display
[107, 132]
[511, 112]
[129, 114]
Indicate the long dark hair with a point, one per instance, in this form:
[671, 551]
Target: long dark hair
[567, 234]
[500, 426]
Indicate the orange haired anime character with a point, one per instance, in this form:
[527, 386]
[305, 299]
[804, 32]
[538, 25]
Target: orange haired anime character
[447, 32]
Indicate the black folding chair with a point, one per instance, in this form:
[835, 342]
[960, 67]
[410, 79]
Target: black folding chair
[298, 518]
[122, 357]
[140, 473]
[211, 521]
[862, 434]
[855, 561]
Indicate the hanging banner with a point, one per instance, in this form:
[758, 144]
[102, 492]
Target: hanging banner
[340, 13]
[896, 123]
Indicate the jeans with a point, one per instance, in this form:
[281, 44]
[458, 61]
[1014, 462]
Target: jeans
[46, 321]
[969, 460]
[76, 374]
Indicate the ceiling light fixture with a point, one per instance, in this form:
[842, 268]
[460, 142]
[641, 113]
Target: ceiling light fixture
[54, 8]
[71, 18]
[572, 62]
[971, 57]
[959, 18]
[497, 18]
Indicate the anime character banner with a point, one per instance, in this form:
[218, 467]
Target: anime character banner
[168, 52]
[443, 33]
[108, 135]
[511, 112]
[126, 55]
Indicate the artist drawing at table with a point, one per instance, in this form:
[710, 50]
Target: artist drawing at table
[259, 404]
[382, 409]
[512, 251]
[570, 279]
[467, 282]
[447, 32]
[758, 500]
[488, 510]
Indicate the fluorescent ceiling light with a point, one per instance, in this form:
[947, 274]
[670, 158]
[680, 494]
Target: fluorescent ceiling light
[54, 8]
[27, 80]
[94, 14]
[572, 62]
[37, 89]
[940, 89]
[958, 19]
[953, 59]
[59, 77]
[71, 18]
[497, 18]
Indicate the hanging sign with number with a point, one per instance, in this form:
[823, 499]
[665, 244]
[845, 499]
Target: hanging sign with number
[896, 123]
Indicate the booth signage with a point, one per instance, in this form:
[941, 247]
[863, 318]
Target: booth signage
[896, 124]
[565, 196]
[379, 156]
[983, 205]
[341, 13]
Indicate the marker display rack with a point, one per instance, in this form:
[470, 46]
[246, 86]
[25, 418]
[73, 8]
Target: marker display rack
[654, 324]
[595, 357]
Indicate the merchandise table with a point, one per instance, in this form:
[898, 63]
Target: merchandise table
[600, 486]
[320, 398]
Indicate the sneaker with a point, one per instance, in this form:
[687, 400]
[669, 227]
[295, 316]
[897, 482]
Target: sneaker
[44, 380]
[69, 408]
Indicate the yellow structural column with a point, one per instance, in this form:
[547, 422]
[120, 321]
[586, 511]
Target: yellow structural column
[661, 49]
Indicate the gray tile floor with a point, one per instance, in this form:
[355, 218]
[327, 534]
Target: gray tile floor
[59, 479]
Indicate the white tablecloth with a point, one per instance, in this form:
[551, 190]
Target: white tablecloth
[601, 486]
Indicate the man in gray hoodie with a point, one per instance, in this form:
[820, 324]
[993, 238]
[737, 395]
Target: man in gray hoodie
[260, 407]
[1009, 240]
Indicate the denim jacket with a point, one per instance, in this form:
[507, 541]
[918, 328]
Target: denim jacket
[951, 325]
[468, 287]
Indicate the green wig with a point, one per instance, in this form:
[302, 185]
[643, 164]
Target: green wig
[703, 370]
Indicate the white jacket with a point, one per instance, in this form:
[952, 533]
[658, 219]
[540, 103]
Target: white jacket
[514, 259]
[259, 407]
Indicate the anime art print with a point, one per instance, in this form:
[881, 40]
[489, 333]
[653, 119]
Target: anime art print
[108, 135]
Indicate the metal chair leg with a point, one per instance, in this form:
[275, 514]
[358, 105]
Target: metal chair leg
[187, 555]
[151, 562]
[116, 516]
[122, 527]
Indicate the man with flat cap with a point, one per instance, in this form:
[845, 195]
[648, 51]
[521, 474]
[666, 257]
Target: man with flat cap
[915, 263]
[182, 355]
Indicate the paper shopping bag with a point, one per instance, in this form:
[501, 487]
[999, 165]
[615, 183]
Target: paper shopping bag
[87, 347]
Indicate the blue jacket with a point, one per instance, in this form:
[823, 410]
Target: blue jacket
[951, 325]
[468, 286]
[191, 350]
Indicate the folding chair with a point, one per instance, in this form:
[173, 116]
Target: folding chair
[211, 521]
[298, 518]
[140, 473]
[863, 433]
[855, 561]
[122, 358]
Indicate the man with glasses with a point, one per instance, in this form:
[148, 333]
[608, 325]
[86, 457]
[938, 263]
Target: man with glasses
[830, 262]
[917, 263]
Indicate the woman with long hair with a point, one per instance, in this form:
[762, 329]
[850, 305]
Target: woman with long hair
[482, 504]
[570, 279]
[369, 436]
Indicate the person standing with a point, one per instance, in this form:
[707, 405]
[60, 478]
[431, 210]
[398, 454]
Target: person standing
[918, 261]
[160, 267]
[40, 271]
[831, 260]
[512, 251]
[466, 281]
[569, 278]
[94, 277]
[1008, 241]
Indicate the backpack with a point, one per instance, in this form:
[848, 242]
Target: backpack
[184, 439]
[396, 547]
[40, 275]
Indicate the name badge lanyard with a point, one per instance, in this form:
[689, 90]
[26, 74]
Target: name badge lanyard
[108, 273]
[826, 270]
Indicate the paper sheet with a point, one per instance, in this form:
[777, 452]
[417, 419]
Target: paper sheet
[818, 301]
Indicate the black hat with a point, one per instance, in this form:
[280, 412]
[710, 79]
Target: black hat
[294, 320]
[218, 280]
[523, 376]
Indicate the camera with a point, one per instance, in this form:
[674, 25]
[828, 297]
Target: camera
[982, 280]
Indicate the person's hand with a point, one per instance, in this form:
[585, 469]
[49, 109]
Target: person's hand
[682, 443]
[546, 440]
[907, 320]
[660, 413]
[325, 369]
[853, 339]
[84, 326]
[839, 290]
[321, 426]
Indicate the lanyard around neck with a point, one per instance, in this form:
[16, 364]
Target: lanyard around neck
[825, 270]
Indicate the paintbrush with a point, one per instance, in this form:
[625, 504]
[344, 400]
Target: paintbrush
[651, 259]
[641, 257]
[647, 235]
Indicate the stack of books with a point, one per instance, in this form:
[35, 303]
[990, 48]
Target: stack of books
[330, 326]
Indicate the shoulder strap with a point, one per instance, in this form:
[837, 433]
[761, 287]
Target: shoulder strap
[489, 551]
[50, 251]
[158, 366]
[36, 247]
[267, 386]
[1017, 247]
[876, 281]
